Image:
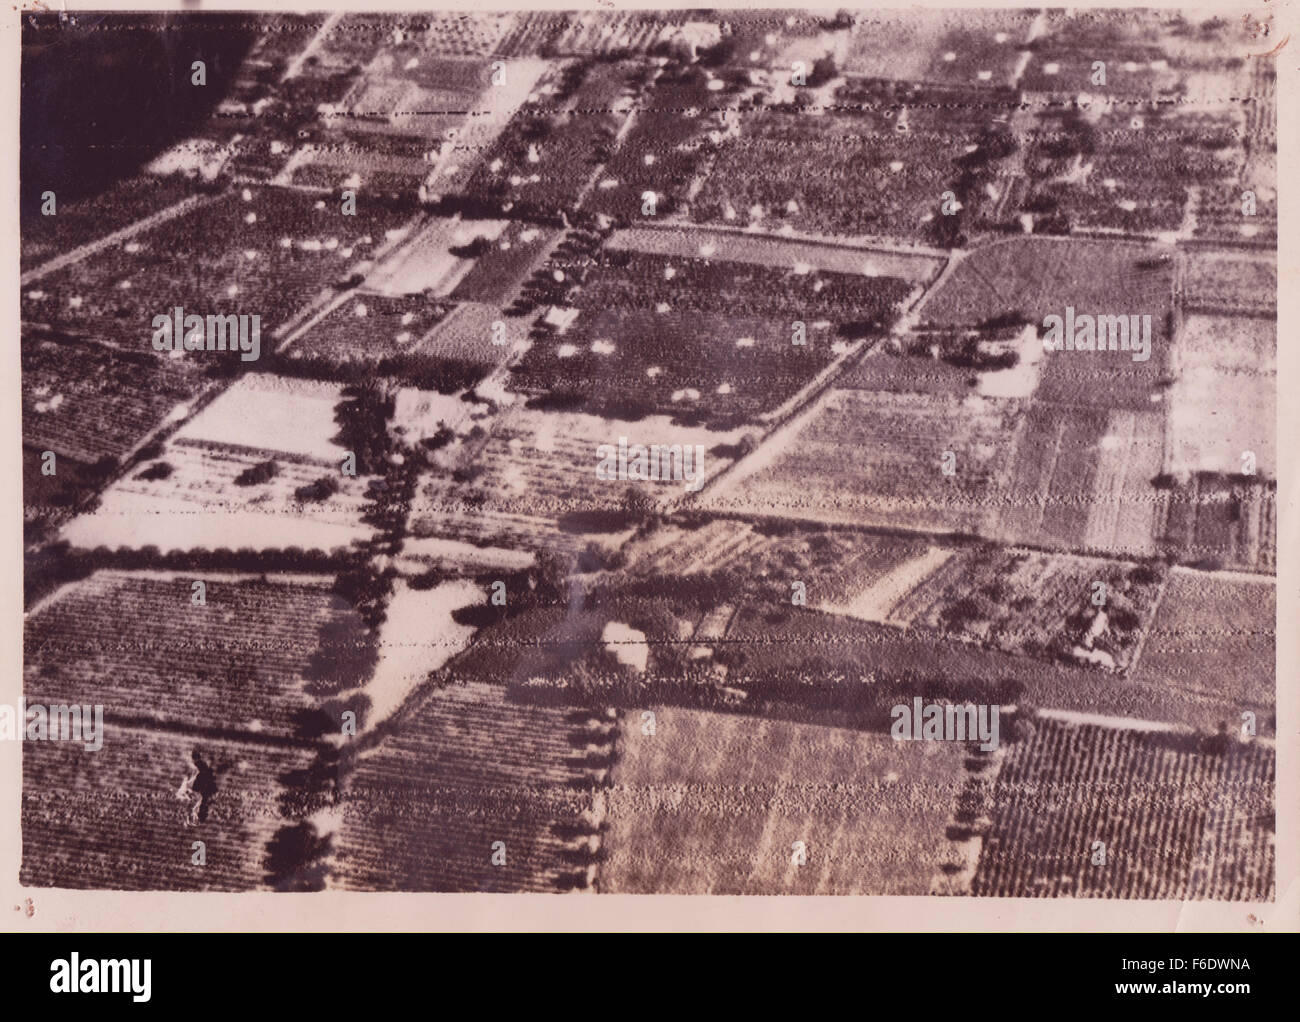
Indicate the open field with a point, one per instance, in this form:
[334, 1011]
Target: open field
[1180, 817]
[1223, 402]
[127, 816]
[240, 473]
[1214, 639]
[1081, 480]
[1217, 521]
[90, 401]
[648, 337]
[248, 661]
[1230, 282]
[1037, 277]
[776, 251]
[283, 248]
[532, 480]
[467, 768]
[877, 459]
[712, 804]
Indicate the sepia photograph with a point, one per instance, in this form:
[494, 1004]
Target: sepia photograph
[746, 451]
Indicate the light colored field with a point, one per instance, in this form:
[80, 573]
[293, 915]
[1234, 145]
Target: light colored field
[1215, 416]
[200, 506]
[418, 636]
[712, 804]
[770, 250]
[426, 262]
[272, 414]
[1224, 400]
[1082, 480]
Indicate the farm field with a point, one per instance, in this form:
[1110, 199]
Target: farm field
[202, 504]
[876, 459]
[732, 246]
[712, 803]
[984, 52]
[532, 480]
[1116, 190]
[1037, 277]
[835, 564]
[1223, 402]
[649, 337]
[90, 401]
[1182, 817]
[465, 769]
[1230, 282]
[820, 662]
[500, 271]
[435, 258]
[1216, 521]
[1082, 480]
[883, 369]
[289, 247]
[81, 221]
[662, 146]
[1017, 601]
[126, 817]
[1219, 214]
[241, 473]
[258, 658]
[369, 328]
[1214, 639]
[546, 156]
[871, 179]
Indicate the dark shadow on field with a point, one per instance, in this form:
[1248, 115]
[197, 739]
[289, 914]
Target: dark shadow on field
[102, 94]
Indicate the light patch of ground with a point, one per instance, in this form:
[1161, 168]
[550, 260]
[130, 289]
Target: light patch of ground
[1214, 417]
[426, 261]
[274, 414]
[714, 803]
[435, 550]
[877, 601]
[199, 505]
[627, 645]
[418, 414]
[1021, 380]
[418, 636]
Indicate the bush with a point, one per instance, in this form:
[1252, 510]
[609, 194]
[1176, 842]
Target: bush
[158, 470]
[262, 472]
[322, 489]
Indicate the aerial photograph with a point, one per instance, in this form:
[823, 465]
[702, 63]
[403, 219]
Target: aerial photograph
[689, 452]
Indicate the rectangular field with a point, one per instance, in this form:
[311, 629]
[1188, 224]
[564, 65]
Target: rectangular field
[714, 803]
[1180, 817]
